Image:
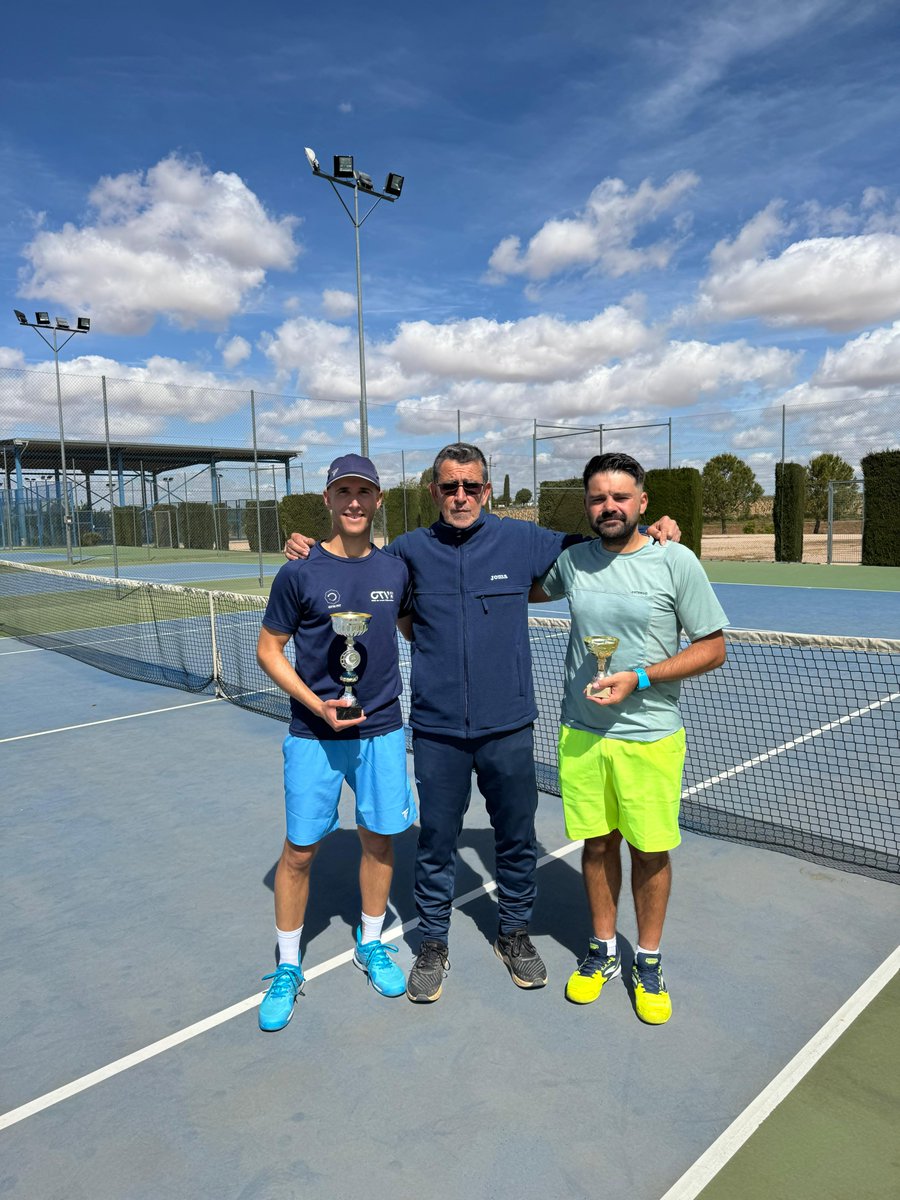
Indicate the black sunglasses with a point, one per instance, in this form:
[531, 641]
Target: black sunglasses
[467, 485]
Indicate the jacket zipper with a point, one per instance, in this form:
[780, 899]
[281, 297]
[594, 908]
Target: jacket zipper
[465, 625]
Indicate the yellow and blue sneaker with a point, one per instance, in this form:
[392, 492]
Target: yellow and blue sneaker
[651, 996]
[384, 974]
[277, 1006]
[598, 967]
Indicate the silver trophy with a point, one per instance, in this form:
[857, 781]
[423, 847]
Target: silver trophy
[350, 625]
[602, 648]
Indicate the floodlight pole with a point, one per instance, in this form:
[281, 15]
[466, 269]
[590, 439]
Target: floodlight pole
[82, 326]
[363, 399]
[358, 181]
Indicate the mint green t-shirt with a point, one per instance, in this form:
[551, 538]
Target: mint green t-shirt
[644, 599]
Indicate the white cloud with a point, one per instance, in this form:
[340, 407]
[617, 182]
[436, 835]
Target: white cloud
[836, 283]
[177, 241]
[869, 361]
[11, 358]
[325, 358]
[756, 435]
[338, 304]
[535, 348]
[345, 107]
[601, 236]
[677, 375]
[235, 351]
[141, 399]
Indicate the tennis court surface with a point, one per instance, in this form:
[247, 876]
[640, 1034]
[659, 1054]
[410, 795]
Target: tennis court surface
[141, 826]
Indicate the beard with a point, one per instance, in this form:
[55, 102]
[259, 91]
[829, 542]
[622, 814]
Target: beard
[613, 530]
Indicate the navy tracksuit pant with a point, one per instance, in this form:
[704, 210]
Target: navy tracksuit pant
[504, 769]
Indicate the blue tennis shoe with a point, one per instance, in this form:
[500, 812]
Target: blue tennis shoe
[384, 974]
[277, 1007]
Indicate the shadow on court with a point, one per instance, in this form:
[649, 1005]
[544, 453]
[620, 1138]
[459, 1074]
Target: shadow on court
[560, 909]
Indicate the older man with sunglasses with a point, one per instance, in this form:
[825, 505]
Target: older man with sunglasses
[472, 704]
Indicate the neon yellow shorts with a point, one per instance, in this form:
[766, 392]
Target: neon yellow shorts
[634, 787]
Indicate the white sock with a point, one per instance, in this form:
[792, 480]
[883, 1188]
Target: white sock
[609, 942]
[643, 950]
[289, 946]
[371, 928]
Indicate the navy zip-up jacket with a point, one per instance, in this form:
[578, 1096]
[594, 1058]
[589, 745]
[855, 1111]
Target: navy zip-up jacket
[471, 657]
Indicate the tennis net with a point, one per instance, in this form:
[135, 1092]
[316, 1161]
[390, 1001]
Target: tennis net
[792, 744]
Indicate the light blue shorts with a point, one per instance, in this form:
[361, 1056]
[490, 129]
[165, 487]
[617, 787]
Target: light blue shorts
[374, 767]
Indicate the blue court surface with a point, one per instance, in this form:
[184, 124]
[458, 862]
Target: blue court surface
[140, 831]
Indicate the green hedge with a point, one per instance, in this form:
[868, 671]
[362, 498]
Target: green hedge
[788, 511]
[393, 506]
[129, 524]
[198, 525]
[305, 513]
[677, 493]
[428, 510]
[268, 523]
[881, 487]
[561, 506]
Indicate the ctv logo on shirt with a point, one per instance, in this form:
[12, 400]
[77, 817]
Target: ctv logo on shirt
[381, 597]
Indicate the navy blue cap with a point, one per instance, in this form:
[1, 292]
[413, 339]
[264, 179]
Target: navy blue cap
[352, 464]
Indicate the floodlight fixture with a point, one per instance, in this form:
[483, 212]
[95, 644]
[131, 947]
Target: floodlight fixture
[311, 158]
[62, 323]
[393, 185]
[42, 318]
[343, 166]
[20, 317]
[84, 324]
[364, 181]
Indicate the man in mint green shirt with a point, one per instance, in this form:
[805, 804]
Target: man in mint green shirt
[621, 744]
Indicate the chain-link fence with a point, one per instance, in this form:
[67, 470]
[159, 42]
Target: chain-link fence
[169, 468]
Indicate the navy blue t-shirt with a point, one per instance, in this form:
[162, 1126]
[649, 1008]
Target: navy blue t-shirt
[304, 595]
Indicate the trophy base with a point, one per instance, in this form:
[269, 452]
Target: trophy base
[596, 693]
[348, 714]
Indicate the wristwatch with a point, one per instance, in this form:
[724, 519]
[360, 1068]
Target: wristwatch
[643, 681]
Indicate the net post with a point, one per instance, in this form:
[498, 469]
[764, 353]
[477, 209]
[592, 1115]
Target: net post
[216, 664]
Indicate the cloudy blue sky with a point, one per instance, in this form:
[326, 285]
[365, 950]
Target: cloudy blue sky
[613, 212]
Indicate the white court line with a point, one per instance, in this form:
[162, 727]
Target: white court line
[191, 1031]
[711, 1162]
[791, 745]
[21, 737]
[113, 642]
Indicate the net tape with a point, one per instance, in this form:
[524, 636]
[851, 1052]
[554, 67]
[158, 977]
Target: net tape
[792, 744]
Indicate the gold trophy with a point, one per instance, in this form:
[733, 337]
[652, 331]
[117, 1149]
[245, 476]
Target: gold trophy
[350, 625]
[602, 648]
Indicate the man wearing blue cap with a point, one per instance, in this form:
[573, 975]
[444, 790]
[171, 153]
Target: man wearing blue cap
[329, 741]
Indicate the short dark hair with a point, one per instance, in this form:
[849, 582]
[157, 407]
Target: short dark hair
[614, 462]
[460, 452]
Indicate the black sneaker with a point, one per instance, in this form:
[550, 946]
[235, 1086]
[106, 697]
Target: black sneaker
[428, 973]
[521, 958]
